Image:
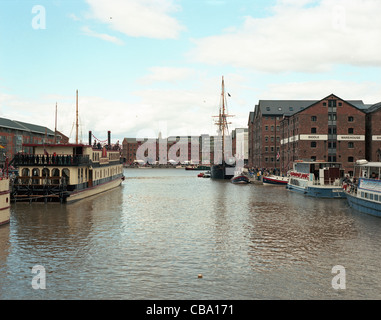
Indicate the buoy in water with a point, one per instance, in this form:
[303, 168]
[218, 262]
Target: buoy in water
[199, 275]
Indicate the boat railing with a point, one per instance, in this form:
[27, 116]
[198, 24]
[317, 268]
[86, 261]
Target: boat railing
[329, 182]
[40, 181]
[50, 160]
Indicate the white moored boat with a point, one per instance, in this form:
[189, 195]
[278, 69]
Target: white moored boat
[364, 193]
[317, 179]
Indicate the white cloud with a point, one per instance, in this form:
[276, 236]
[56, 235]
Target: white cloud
[306, 36]
[138, 18]
[87, 31]
[369, 92]
[167, 74]
[171, 111]
[74, 17]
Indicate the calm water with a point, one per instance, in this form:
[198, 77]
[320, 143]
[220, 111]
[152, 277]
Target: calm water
[150, 238]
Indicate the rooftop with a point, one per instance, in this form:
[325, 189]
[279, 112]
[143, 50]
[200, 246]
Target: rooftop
[24, 126]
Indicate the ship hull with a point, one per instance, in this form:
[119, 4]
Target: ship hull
[364, 206]
[318, 192]
[275, 181]
[221, 172]
[240, 180]
[79, 195]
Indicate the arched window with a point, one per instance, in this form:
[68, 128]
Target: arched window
[56, 176]
[35, 173]
[66, 175]
[25, 174]
[45, 175]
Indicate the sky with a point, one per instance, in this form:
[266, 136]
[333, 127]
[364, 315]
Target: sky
[147, 66]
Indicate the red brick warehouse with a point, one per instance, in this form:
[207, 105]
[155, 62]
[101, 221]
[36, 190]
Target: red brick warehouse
[373, 129]
[330, 129]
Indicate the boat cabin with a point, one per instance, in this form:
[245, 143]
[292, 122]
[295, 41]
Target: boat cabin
[368, 170]
[323, 173]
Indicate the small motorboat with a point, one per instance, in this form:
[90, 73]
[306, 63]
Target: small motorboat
[240, 178]
[206, 174]
[275, 180]
[200, 175]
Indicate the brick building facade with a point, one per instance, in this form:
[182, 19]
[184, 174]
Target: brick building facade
[373, 129]
[179, 149]
[13, 134]
[330, 129]
[264, 130]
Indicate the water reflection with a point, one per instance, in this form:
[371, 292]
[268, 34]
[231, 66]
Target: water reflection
[295, 229]
[150, 238]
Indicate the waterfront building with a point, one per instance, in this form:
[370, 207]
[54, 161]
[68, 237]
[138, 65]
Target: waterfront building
[264, 131]
[13, 134]
[329, 130]
[373, 129]
[173, 149]
[129, 148]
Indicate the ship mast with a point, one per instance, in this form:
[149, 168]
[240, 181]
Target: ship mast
[223, 117]
[222, 122]
[55, 126]
[76, 120]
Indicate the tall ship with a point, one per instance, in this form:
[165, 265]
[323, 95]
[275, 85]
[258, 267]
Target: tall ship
[59, 172]
[5, 208]
[317, 179]
[364, 193]
[224, 166]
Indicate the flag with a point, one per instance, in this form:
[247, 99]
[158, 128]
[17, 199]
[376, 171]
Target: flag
[1, 147]
[278, 156]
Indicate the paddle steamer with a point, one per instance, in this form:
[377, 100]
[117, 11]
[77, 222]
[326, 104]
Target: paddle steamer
[66, 172]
